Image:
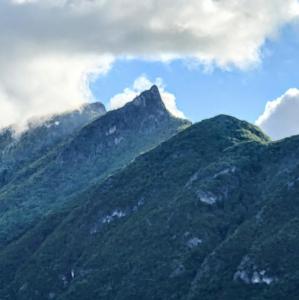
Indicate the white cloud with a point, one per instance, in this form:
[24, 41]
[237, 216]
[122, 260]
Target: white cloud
[281, 116]
[222, 32]
[143, 83]
[45, 85]
[48, 46]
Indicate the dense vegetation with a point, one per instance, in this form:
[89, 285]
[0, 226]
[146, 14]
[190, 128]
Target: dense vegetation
[18, 149]
[211, 213]
[84, 158]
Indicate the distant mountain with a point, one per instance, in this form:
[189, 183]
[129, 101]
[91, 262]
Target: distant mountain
[211, 213]
[74, 165]
[17, 150]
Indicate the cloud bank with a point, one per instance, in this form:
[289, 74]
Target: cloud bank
[49, 48]
[45, 85]
[141, 84]
[281, 116]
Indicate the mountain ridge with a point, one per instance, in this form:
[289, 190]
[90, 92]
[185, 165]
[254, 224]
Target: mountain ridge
[147, 230]
[42, 134]
[96, 150]
[209, 212]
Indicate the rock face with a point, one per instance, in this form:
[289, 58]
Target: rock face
[80, 160]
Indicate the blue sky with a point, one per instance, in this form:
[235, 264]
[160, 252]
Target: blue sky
[201, 94]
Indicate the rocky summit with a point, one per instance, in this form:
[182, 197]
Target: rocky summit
[156, 209]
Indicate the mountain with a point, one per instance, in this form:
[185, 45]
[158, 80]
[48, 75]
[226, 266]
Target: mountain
[90, 155]
[211, 213]
[17, 150]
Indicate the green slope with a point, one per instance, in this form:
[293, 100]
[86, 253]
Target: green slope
[97, 150]
[192, 219]
[20, 149]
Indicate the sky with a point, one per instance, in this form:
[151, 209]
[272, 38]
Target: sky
[201, 94]
[215, 56]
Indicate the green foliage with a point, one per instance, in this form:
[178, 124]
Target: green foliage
[179, 222]
[51, 179]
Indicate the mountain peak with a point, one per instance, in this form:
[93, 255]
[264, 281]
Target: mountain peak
[229, 130]
[151, 99]
[155, 89]
[93, 107]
